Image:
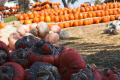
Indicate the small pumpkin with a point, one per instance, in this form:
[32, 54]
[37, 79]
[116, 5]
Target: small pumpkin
[2, 25]
[52, 37]
[47, 19]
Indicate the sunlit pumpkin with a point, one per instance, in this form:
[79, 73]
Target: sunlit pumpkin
[28, 21]
[56, 19]
[112, 17]
[115, 12]
[75, 23]
[36, 20]
[82, 9]
[106, 19]
[42, 18]
[66, 24]
[96, 20]
[66, 17]
[47, 19]
[98, 14]
[61, 25]
[71, 23]
[80, 22]
[31, 16]
[80, 16]
[94, 8]
[71, 17]
[85, 15]
[21, 17]
[2, 25]
[86, 22]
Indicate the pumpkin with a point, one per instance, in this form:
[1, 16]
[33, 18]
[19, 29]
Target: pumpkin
[33, 26]
[56, 19]
[55, 28]
[52, 37]
[21, 17]
[61, 25]
[71, 17]
[80, 22]
[71, 23]
[99, 7]
[12, 39]
[47, 19]
[43, 29]
[115, 12]
[82, 9]
[66, 17]
[90, 15]
[86, 22]
[106, 18]
[75, 23]
[98, 14]
[96, 20]
[80, 16]
[64, 34]
[112, 17]
[85, 15]
[36, 20]
[42, 18]
[66, 24]
[110, 12]
[106, 13]
[76, 17]
[28, 21]
[94, 8]
[2, 25]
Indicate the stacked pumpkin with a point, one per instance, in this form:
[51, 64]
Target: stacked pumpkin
[7, 11]
[45, 5]
[66, 17]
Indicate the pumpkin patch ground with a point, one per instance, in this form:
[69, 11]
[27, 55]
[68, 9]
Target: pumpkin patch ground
[98, 48]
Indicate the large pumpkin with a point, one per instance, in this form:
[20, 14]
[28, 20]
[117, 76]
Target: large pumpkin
[43, 29]
[52, 37]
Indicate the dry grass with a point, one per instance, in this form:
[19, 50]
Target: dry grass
[98, 48]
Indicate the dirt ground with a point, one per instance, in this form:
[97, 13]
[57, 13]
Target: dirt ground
[96, 47]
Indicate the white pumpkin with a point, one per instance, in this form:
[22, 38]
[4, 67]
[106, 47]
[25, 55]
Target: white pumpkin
[33, 26]
[52, 37]
[12, 39]
[55, 28]
[43, 29]
[64, 34]
[21, 30]
[5, 40]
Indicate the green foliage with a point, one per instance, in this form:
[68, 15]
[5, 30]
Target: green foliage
[9, 19]
[97, 2]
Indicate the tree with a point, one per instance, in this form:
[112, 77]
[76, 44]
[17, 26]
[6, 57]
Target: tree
[66, 2]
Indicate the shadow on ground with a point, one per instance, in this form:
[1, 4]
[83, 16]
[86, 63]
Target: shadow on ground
[103, 55]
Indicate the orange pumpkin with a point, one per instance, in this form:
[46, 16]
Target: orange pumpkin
[94, 8]
[21, 17]
[61, 25]
[75, 23]
[106, 19]
[80, 22]
[99, 7]
[36, 20]
[96, 20]
[28, 21]
[87, 9]
[31, 16]
[98, 14]
[85, 15]
[71, 17]
[80, 16]
[42, 18]
[90, 15]
[2, 25]
[115, 12]
[22, 21]
[56, 19]
[47, 19]
[66, 24]
[76, 16]
[86, 22]
[112, 17]
[110, 12]
[82, 9]
[71, 23]
[106, 13]
[66, 17]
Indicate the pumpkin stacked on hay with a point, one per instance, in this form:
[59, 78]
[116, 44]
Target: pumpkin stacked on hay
[67, 17]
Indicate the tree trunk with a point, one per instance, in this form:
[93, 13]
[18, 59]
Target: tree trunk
[65, 3]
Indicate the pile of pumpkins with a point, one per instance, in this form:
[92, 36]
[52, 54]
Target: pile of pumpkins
[45, 5]
[67, 17]
[8, 11]
[41, 30]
